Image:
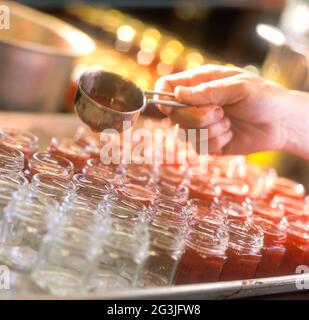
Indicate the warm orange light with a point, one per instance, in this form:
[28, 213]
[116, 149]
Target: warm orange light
[126, 33]
[194, 59]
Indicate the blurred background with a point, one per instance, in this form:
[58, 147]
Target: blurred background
[41, 56]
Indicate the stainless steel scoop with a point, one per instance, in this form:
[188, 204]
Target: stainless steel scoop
[95, 86]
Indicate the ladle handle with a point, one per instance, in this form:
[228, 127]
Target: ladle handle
[169, 103]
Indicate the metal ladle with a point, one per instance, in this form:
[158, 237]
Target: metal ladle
[111, 87]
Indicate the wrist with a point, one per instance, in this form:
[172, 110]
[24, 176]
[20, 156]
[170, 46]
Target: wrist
[296, 123]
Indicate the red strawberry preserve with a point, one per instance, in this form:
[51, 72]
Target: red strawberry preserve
[268, 210]
[70, 150]
[244, 250]
[294, 208]
[288, 188]
[172, 175]
[273, 249]
[297, 246]
[204, 255]
[43, 162]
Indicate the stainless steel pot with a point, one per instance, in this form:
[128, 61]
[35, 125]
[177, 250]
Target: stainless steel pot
[37, 56]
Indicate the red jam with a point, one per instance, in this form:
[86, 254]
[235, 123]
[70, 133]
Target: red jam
[288, 188]
[43, 162]
[88, 141]
[244, 251]
[171, 174]
[24, 141]
[294, 208]
[273, 249]
[70, 150]
[204, 255]
[268, 210]
[297, 246]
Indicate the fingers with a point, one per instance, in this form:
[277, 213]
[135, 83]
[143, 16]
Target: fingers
[219, 128]
[220, 92]
[194, 117]
[216, 144]
[193, 78]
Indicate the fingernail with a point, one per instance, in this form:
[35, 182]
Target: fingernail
[217, 113]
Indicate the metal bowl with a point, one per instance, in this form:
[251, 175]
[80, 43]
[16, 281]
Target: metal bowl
[37, 56]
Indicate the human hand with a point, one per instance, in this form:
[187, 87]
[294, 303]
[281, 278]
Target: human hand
[243, 112]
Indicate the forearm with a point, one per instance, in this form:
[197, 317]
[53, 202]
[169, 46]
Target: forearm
[297, 123]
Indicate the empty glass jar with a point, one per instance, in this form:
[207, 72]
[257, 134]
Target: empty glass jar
[24, 141]
[11, 159]
[67, 259]
[26, 220]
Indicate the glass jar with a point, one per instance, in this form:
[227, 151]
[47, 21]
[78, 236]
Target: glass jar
[125, 248]
[67, 259]
[25, 222]
[139, 173]
[11, 159]
[294, 208]
[70, 150]
[177, 193]
[144, 193]
[9, 183]
[204, 256]
[235, 190]
[204, 190]
[122, 209]
[201, 209]
[167, 213]
[297, 244]
[273, 248]
[172, 175]
[268, 210]
[24, 141]
[43, 162]
[289, 188]
[166, 247]
[244, 251]
[236, 211]
[56, 187]
[88, 141]
[112, 173]
[91, 188]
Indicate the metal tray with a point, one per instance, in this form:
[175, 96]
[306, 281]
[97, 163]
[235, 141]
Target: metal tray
[48, 125]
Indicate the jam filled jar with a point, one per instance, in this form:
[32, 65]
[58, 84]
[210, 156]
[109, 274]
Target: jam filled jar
[273, 249]
[43, 162]
[70, 150]
[297, 245]
[288, 188]
[11, 159]
[204, 190]
[204, 255]
[244, 251]
[24, 141]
